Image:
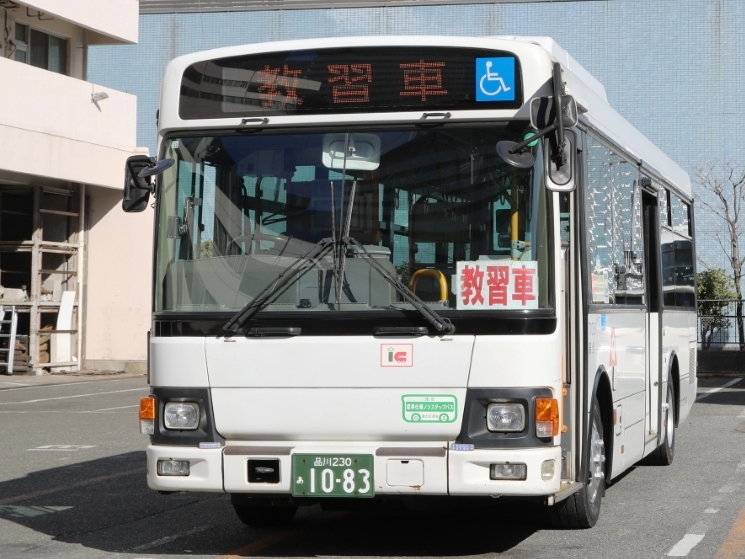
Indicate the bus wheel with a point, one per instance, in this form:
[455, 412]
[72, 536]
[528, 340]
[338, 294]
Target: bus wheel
[261, 512]
[582, 509]
[663, 455]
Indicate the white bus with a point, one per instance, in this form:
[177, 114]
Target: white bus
[386, 268]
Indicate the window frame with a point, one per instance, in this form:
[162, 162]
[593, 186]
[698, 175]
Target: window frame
[26, 46]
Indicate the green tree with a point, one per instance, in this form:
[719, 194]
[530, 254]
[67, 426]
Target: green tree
[206, 249]
[714, 287]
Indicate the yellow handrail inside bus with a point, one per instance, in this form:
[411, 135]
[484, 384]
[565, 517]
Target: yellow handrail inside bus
[429, 272]
[514, 219]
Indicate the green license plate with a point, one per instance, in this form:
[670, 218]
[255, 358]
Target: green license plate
[332, 475]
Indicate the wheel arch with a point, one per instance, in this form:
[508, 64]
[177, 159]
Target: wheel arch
[602, 391]
[673, 375]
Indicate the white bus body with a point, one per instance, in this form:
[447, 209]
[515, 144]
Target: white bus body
[606, 331]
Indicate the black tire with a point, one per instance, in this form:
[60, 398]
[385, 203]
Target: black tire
[663, 455]
[582, 509]
[259, 513]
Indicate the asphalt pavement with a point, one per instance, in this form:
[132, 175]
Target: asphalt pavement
[72, 485]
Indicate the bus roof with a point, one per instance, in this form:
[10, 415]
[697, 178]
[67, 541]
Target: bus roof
[538, 53]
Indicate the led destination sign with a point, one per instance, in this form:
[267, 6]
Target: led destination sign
[347, 80]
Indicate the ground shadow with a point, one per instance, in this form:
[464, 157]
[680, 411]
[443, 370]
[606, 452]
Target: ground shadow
[733, 395]
[105, 504]
[87, 502]
[471, 530]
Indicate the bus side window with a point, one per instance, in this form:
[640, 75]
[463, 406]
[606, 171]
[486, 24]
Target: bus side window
[628, 246]
[600, 223]
[677, 255]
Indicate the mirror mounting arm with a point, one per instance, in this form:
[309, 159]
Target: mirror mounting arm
[558, 91]
[522, 145]
[155, 168]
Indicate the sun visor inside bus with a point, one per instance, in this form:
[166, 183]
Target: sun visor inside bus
[362, 151]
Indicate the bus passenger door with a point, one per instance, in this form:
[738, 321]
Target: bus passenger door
[652, 272]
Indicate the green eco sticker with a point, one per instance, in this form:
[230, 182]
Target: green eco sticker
[429, 408]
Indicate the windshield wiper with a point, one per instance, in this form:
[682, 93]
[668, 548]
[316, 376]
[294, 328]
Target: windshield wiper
[244, 315]
[441, 324]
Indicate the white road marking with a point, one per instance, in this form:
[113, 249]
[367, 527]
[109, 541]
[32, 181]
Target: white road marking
[110, 409]
[29, 512]
[684, 546]
[742, 415]
[74, 396]
[715, 390]
[167, 539]
[697, 532]
[61, 488]
[16, 383]
[62, 384]
[66, 412]
[61, 447]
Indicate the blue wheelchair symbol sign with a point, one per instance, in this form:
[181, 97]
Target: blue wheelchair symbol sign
[495, 79]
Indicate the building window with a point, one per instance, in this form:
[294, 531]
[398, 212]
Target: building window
[40, 49]
[21, 54]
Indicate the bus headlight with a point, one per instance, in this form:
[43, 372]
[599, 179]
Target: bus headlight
[181, 415]
[505, 417]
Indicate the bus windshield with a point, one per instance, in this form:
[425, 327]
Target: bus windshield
[436, 207]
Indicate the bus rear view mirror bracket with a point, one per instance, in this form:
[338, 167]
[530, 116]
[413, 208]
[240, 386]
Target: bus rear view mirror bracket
[137, 190]
[542, 114]
[544, 119]
[362, 151]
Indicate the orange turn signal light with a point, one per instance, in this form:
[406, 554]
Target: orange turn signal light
[147, 407]
[547, 411]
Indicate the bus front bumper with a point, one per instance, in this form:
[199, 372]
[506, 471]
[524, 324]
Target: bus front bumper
[421, 470]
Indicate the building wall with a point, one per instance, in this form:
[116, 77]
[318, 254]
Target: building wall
[51, 128]
[55, 135]
[119, 268]
[673, 68]
[110, 21]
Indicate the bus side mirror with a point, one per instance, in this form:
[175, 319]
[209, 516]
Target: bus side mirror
[559, 152]
[555, 114]
[137, 189]
[561, 178]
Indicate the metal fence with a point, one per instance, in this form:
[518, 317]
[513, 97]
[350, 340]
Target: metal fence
[718, 323]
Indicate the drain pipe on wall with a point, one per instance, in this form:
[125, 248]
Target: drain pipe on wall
[85, 55]
[82, 274]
